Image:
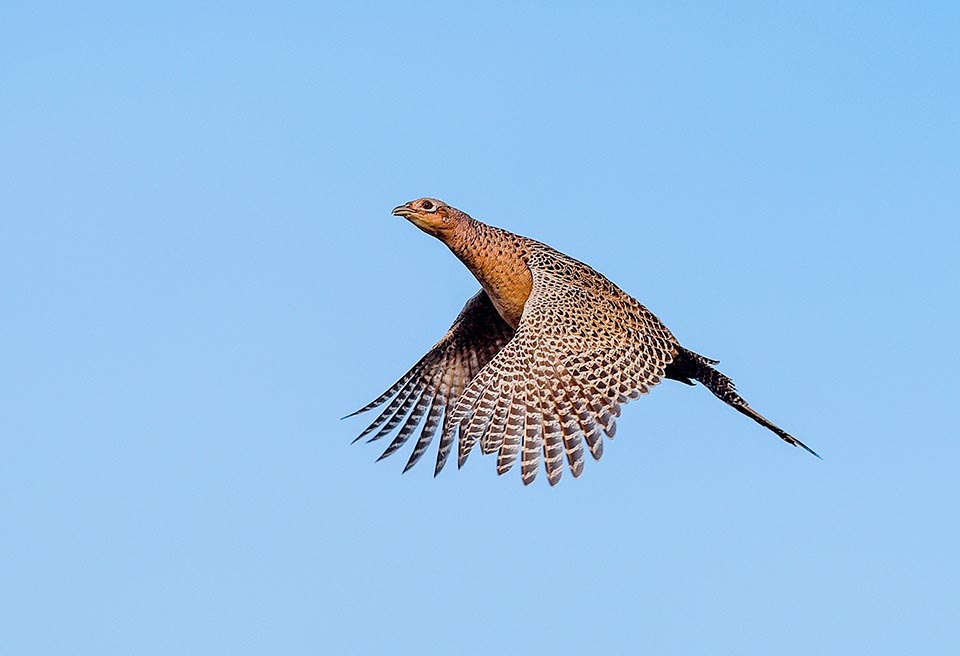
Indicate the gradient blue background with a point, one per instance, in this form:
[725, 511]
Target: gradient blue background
[199, 275]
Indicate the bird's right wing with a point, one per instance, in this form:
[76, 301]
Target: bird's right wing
[582, 348]
[433, 385]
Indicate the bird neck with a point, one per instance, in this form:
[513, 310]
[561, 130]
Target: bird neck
[498, 260]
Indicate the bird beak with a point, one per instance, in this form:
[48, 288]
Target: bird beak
[402, 210]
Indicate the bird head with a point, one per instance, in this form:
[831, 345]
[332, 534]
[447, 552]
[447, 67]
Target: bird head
[432, 216]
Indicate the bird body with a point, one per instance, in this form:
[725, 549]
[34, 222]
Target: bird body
[538, 362]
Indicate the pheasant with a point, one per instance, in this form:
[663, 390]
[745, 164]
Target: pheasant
[538, 362]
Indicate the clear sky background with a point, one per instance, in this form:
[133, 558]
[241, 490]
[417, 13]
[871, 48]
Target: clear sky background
[199, 275]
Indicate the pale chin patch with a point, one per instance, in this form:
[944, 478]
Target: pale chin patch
[423, 225]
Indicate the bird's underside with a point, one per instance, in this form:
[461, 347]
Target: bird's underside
[580, 349]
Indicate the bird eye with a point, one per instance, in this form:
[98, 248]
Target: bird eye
[427, 205]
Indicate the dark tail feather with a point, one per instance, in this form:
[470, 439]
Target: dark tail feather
[688, 364]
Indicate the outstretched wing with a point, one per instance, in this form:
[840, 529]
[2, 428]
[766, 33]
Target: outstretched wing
[582, 349]
[433, 385]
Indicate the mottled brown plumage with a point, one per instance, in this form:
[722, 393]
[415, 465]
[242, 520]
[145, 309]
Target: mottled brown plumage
[538, 362]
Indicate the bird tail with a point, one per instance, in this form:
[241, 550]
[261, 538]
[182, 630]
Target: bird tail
[687, 365]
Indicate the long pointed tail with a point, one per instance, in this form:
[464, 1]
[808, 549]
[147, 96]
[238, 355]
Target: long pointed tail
[689, 365]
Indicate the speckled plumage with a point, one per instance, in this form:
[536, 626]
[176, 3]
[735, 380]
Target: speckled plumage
[538, 362]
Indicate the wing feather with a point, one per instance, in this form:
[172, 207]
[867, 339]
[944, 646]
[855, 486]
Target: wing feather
[437, 409]
[427, 399]
[432, 386]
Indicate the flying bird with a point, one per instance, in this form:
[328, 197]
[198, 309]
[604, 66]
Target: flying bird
[538, 362]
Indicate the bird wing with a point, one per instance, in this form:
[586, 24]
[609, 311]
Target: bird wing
[433, 385]
[582, 348]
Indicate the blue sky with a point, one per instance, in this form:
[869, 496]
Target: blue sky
[201, 275]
